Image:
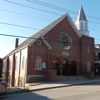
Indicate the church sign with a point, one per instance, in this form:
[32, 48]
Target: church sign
[65, 53]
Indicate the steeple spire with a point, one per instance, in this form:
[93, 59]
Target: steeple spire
[82, 23]
[81, 15]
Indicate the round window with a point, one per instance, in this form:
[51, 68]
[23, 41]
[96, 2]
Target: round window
[39, 42]
[65, 41]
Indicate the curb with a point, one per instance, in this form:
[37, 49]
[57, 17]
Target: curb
[23, 91]
[60, 86]
[15, 92]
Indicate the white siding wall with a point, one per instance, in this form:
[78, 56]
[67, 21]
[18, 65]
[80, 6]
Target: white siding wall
[10, 67]
[17, 68]
[83, 28]
[23, 65]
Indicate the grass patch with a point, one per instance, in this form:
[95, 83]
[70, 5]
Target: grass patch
[17, 88]
[11, 88]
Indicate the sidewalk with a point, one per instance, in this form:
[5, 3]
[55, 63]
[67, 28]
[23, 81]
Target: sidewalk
[50, 85]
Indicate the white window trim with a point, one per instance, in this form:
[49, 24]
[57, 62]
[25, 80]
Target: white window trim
[69, 40]
[38, 64]
[38, 68]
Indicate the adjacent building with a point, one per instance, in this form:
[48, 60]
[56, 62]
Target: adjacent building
[97, 60]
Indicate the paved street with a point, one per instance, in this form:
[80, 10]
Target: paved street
[79, 92]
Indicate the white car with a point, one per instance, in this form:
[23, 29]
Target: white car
[3, 88]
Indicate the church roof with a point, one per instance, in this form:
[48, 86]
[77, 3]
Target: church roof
[81, 15]
[42, 32]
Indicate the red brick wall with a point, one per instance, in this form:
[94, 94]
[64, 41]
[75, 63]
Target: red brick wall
[77, 51]
[34, 51]
[54, 35]
[89, 75]
[87, 56]
[51, 75]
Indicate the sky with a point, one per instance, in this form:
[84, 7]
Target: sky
[26, 17]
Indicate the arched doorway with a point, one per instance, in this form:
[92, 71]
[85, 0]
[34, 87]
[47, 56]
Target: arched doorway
[56, 65]
[73, 67]
[65, 67]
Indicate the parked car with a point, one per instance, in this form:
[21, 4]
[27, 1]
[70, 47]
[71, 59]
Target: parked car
[3, 88]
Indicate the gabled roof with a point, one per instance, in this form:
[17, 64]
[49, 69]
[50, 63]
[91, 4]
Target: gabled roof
[81, 15]
[42, 32]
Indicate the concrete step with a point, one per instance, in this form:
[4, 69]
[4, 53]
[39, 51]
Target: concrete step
[64, 78]
[97, 77]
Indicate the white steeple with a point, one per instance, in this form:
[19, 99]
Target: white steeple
[82, 23]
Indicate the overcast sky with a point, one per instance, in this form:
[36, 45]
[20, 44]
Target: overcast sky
[24, 18]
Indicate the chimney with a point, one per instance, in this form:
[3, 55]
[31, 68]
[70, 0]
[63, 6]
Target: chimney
[16, 42]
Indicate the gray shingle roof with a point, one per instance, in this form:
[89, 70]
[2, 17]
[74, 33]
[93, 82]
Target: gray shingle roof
[34, 37]
[42, 32]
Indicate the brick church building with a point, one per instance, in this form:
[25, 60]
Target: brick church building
[60, 49]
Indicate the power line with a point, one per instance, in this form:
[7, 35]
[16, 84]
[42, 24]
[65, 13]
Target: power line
[94, 29]
[37, 17]
[27, 15]
[34, 8]
[41, 39]
[94, 22]
[24, 14]
[31, 7]
[59, 8]
[19, 26]
[93, 17]
[13, 36]
[30, 27]
[52, 6]
[27, 27]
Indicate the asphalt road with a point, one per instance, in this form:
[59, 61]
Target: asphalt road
[80, 92]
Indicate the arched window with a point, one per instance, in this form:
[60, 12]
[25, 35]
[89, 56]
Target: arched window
[85, 26]
[81, 26]
[88, 49]
[88, 66]
[23, 62]
[38, 63]
[16, 63]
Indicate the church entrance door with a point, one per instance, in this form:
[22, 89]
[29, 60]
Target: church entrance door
[73, 67]
[56, 65]
[65, 67]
